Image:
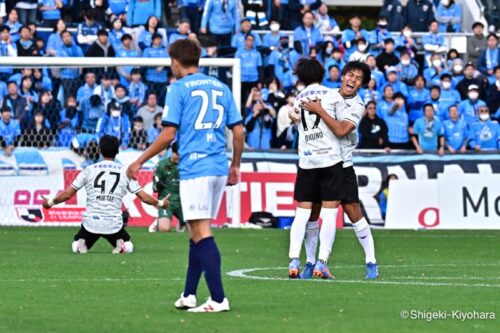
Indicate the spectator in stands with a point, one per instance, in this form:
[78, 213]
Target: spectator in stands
[361, 52]
[38, 134]
[386, 102]
[68, 122]
[383, 196]
[333, 80]
[490, 58]
[494, 95]
[156, 77]
[457, 72]
[116, 33]
[125, 50]
[270, 42]
[282, 61]
[286, 130]
[378, 36]
[10, 131]
[238, 40]
[27, 71]
[191, 10]
[26, 90]
[251, 66]
[182, 31]
[69, 74]
[50, 11]
[353, 33]
[372, 130]
[123, 99]
[118, 9]
[428, 132]
[50, 108]
[7, 49]
[115, 123]
[419, 14]
[101, 48]
[101, 9]
[87, 31]
[307, 34]
[259, 121]
[376, 74]
[418, 96]
[405, 42]
[256, 11]
[17, 104]
[387, 58]
[55, 42]
[221, 18]
[476, 44]
[484, 133]
[469, 107]
[139, 137]
[393, 80]
[449, 16]
[393, 11]
[13, 24]
[88, 88]
[27, 11]
[325, 53]
[448, 97]
[139, 11]
[370, 92]
[433, 42]
[25, 45]
[272, 93]
[149, 111]
[439, 107]
[151, 28]
[470, 79]
[451, 56]
[90, 111]
[455, 132]
[105, 90]
[324, 22]
[407, 69]
[396, 119]
[156, 129]
[137, 89]
[433, 73]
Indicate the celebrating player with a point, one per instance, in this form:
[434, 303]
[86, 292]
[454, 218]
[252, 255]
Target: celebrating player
[106, 184]
[198, 108]
[166, 182]
[349, 110]
[320, 172]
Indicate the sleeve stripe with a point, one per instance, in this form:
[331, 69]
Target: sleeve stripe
[239, 122]
[76, 188]
[352, 121]
[168, 123]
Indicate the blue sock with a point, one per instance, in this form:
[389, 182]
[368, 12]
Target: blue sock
[209, 256]
[193, 272]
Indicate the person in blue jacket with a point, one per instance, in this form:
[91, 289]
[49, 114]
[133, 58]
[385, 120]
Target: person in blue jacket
[428, 132]
[352, 34]
[238, 39]
[116, 33]
[51, 11]
[10, 131]
[469, 108]
[455, 132]
[307, 34]
[418, 96]
[69, 74]
[259, 122]
[156, 77]
[449, 96]
[484, 134]
[393, 80]
[433, 73]
[139, 11]
[378, 36]
[490, 58]
[449, 16]
[90, 110]
[396, 119]
[251, 66]
[433, 41]
[68, 122]
[125, 50]
[115, 123]
[182, 31]
[333, 80]
[221, 18]
[282, 63]
[151, 27]
[407, 69]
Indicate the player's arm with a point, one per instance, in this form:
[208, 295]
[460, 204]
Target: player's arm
[238, 144]
[150, 200]
[62, 197]
[339, 128]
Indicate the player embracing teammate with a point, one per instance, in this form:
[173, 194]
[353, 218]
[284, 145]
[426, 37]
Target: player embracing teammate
[340, 111]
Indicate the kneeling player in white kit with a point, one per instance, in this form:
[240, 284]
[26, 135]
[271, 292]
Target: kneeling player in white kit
[106, 184]
[349, 109]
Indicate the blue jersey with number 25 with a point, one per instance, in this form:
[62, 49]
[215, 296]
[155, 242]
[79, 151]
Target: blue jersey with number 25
[200, 107]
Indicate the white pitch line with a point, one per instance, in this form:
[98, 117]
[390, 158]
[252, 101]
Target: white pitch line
[422, 265]
[88, 280]
[242, 273]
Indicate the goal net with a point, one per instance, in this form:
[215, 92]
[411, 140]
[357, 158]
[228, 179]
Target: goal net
[63, 105]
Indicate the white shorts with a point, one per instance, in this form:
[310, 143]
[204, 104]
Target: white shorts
[201, 197]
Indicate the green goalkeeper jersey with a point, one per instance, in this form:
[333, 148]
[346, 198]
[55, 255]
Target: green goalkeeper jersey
[166, 180]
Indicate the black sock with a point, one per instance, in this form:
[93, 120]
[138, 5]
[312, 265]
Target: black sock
[210, 260]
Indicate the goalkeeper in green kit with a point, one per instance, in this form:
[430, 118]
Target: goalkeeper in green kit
[166, 181]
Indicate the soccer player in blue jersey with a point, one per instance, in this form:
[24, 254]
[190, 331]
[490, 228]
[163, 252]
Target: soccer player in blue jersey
[197, 109]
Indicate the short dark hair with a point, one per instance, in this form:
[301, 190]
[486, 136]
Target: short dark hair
[428, 104]
[102, 32]
[477, 24]
[5, 108]
[186, 52]
[389, 41]
[175, 147]
[309, 71]
[492, 34]
[109, 146]
[126, 36]
[360, 66]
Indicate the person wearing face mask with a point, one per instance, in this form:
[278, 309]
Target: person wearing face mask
[324, 22]
[433, 42]
[484, 133]
[271, 41]
[114, 123]
[433, 73]
[393, 11]
[326, 50]
[428, 132]
[455, 132]
[457, 72]
[387, 58]
[469, 108]
[407, 69]
[470, 78]
[282, 60]
[353, 33]
[378, 36]
[418, 14]
[449, 96]
[418, 95]
[490, 57]
[361, 51]
[449, 16]
[405, 42]
[494, 95]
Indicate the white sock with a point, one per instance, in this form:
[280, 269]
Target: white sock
[297, 231]
[362, 230]
[327, 232]
[311, 241]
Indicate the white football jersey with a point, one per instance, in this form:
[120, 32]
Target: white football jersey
[318, 145]
[106, 184]
[351, 109]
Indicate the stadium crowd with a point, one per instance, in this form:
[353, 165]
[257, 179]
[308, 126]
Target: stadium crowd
[421, 96]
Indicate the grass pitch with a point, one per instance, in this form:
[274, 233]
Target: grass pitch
[46, 288]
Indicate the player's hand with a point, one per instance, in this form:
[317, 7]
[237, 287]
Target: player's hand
[234, 176]
[133, 169]
[420, 150]
[313, 106]
[45, 202]
[441, 151]
[294, 115]
[166, 203]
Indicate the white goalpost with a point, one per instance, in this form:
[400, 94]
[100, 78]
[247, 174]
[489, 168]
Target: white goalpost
[58, 62]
